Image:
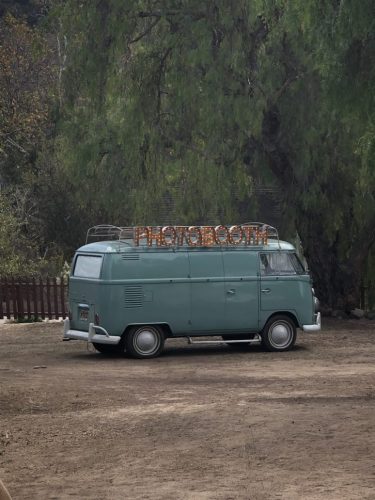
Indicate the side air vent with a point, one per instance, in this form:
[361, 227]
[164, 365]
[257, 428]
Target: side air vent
[130, 256]
[133, 296]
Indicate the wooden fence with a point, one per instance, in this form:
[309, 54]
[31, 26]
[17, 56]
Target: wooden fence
[33, 298]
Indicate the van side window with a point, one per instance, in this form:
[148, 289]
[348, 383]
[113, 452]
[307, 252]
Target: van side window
[276, 264]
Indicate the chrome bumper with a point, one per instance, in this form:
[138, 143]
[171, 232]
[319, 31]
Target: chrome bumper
[316, 326]
[91, 335]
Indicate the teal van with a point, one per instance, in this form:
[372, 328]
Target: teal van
[143, 285]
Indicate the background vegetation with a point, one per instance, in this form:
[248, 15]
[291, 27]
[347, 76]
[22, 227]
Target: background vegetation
[151, 111]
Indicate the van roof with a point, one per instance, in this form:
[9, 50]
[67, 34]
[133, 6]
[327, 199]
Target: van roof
[124, 246]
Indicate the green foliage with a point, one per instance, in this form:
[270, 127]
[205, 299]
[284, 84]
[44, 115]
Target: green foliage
[334, 158]
[32, 319]
[15, 250]
[25, 88]
[172, 111]
[156, 107]
[20, 251]
[182, 105]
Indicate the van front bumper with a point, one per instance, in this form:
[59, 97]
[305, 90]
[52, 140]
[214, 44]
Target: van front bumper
[316, 326]
[91, 336]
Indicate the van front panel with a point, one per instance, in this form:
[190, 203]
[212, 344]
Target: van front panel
[283, 289]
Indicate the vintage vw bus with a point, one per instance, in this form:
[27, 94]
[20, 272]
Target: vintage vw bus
[143, 285]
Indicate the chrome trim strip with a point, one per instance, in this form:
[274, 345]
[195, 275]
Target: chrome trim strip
[255, 340]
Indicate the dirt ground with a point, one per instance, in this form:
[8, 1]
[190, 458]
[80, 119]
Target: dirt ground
[197, 423]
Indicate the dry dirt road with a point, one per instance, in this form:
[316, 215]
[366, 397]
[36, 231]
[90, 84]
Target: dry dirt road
[196, 423]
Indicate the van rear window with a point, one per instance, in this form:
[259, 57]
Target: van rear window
[88, 266]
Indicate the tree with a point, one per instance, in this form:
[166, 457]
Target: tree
[25, 85]
[17, 253]
[181, 100]
[29, 187]
[323, 152]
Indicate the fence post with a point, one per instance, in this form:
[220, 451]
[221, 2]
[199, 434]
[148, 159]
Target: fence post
[41, 290]
[1, 299]
[19, 299]
[14, 298]
[62, 297]
[49, 309]
[34, 298]
[7, 304]
[56, 304]
[27, 289]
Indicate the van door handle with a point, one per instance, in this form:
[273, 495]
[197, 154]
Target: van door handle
[231, 291]
[266, 290]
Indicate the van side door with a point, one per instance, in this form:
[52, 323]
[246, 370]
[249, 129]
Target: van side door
[241, 290]
[207, 291]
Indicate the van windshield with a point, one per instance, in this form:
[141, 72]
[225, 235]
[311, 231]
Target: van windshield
[280, 263]
[88, 266]
[298, 266]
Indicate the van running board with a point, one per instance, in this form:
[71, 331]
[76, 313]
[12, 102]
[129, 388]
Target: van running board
[255, 340]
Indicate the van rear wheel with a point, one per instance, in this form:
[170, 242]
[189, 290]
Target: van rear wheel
[279, 334]
[144, 341]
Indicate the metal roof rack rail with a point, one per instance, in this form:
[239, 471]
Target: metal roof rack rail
[132, 235]
[272, 232]
[105, 232]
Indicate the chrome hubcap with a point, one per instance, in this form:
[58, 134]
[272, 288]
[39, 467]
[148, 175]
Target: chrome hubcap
[281, 334]
[146, 341]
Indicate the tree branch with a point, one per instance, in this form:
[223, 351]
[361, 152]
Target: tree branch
[158, 13]
[146, 32]
[283, 88]
[160, 74]
[195, 16]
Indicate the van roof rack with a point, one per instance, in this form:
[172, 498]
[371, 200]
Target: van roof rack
[248, 233]
[272, 232]
[107, 232]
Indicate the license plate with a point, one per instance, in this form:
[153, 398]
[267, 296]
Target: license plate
[83, 314]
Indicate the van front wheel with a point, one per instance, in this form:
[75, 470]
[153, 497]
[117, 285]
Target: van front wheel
[279, 334]
[144, 341]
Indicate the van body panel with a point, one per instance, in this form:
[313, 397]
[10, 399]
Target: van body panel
[241, 291]
[150, 286]
[83, 295]
[207, 291]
